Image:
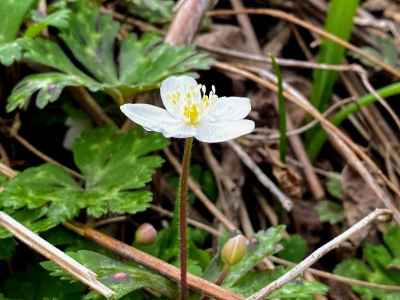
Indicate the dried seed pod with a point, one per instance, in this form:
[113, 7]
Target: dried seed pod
[234, 250]
[145, 234]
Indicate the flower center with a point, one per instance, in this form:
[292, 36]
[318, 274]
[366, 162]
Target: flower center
[191, 113]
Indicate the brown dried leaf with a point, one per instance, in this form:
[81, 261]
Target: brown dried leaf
[289, 180]
[358, 201]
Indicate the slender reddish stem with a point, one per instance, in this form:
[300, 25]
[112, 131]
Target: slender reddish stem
[183, 200]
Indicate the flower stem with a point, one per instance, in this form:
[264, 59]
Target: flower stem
[183, 199]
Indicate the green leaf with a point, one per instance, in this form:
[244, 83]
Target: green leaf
[387, 52]
[154, 11]
[116, 168]
[7, 248]
[92, 38]
[265, 245]
[282, 112]
[10, 52]
[334, 186]
[46, 186]
[58, 19]
[122, 277]
[377, 256]
[35, 219]
[339, 22]
[392, 240]
[12, 14]
[253, 282]
[49, 86]
[294, 248]
[357, 269]
[329, 211]
[114, 164]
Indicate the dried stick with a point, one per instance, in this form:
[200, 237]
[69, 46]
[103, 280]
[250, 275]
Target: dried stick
[90, 105]
[291, 18]
[192, 222]
[317, 254]
[152, 262]
[246, 26]
[283, 62]
[7, 171]
[43, 156]
[68, 264]
[186, 22]
[350, 151]
[295, 141]
[264, 180]
[347, 280]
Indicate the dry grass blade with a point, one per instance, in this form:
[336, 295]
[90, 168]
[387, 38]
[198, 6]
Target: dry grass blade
[264, 180]
[349, 150]
[290, 18]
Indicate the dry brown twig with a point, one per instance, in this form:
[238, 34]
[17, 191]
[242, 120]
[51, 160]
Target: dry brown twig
[286, 202]
[65, 262]
[291, 18]
[350, 151]
[295, 141]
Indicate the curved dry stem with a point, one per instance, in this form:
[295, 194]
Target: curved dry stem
[291, 18]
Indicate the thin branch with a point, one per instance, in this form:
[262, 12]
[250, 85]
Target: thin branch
[43, 156]
[347, 280]
[7, 171]
[317, 254]
[246, 26]
[68, 264]
[286, 202]
[291, 18]
[283, 62]
[90, 105]
[192, 222]
[186, 22]
[350, 151]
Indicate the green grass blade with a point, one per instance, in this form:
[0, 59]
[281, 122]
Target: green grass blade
[12, 13]
[281, 111]
[340, 23]
[320, 137]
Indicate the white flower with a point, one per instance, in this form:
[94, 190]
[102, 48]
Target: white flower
[190, 112]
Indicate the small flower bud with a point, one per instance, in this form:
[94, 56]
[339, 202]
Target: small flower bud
[145, 234]
[234, 250]
[120, 276]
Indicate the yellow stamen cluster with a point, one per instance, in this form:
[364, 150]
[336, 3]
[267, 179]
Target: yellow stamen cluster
[191, 113]
[187, 102]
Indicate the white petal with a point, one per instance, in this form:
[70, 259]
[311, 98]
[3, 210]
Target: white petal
[181, 84]
[229, 108]
[154, 118]
[216, 132]
[149, 116]
[182, 131]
